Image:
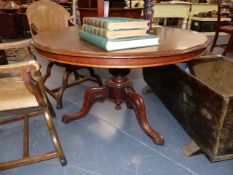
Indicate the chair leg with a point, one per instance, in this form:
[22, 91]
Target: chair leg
[63, 87]
[229, 45]
[55, 138]
[76, 74]
[214, 41]
[93, 74]
[50, 107]
[48, 71]
[58, 92]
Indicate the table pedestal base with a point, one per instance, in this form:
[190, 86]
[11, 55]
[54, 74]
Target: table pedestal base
[119, 89]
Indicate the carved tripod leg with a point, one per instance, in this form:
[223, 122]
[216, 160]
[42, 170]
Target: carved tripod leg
[93, 74]
[135, 101]
[63, 88]
[91, 96]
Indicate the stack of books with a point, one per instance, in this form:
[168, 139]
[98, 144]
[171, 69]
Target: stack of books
[116, 33]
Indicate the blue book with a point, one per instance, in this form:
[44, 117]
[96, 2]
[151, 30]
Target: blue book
[120, 43]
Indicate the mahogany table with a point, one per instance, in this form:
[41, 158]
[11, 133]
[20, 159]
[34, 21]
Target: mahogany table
[65, 46]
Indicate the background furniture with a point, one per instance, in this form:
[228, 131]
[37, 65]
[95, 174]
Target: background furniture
[117, 12]
[65, 46]
[93, 4]
[200, 8]
[172, 10]
[206, 24]
[182, 10]
[13, 20]
[19, 44]
[45, 15]
[9, 25]
[224, 10]
[23, 94]
[201, 101]
[3, 59]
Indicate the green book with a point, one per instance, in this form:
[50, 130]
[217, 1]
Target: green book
[116, 23]
[121, 43]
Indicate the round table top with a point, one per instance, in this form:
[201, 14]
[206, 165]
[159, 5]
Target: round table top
[176, 45]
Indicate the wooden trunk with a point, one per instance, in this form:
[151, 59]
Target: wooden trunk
[202, 102]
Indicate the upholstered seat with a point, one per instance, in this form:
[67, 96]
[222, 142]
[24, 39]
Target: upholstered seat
[14, 88]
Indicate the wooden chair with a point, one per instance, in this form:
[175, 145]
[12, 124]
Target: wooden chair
[22, 97]
[224, 10]
[45, 15]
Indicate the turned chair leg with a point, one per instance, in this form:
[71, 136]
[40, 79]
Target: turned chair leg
[63, 87]
[48, 71]
[214, 41]
[76, 75]
[55, 139]
[94, 75]
[57, 93]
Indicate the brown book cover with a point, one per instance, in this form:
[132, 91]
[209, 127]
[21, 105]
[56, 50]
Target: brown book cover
[116, 23]
[113, 34]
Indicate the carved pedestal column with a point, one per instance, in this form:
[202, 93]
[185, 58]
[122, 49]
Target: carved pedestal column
[148, 11]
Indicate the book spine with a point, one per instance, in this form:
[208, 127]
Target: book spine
[94, 30]
[95, 22]
[94, 39]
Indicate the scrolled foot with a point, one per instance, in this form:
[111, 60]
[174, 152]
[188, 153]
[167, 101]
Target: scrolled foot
[67, 119]
[159, 140]
[91, 95]
[135, 101]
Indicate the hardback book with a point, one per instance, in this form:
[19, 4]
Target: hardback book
[116, 23]
[120, 43]
[113, 34]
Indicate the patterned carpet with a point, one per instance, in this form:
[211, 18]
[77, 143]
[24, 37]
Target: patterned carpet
[21, 54]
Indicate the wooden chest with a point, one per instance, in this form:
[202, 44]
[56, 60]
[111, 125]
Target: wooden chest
[202, 24]
[201, 100]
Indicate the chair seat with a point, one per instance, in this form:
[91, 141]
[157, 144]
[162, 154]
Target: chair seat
[227, 29]
[8, 94]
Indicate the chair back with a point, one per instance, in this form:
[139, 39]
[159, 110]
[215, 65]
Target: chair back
[225, 10]
[44, 15]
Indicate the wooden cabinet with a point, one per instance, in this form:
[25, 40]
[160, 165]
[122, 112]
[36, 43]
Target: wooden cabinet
[13, 25]
[93, 4]
[116, 12]
[9, 25]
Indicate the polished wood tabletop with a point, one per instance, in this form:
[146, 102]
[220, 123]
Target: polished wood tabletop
[176, 45]
[65, 46]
